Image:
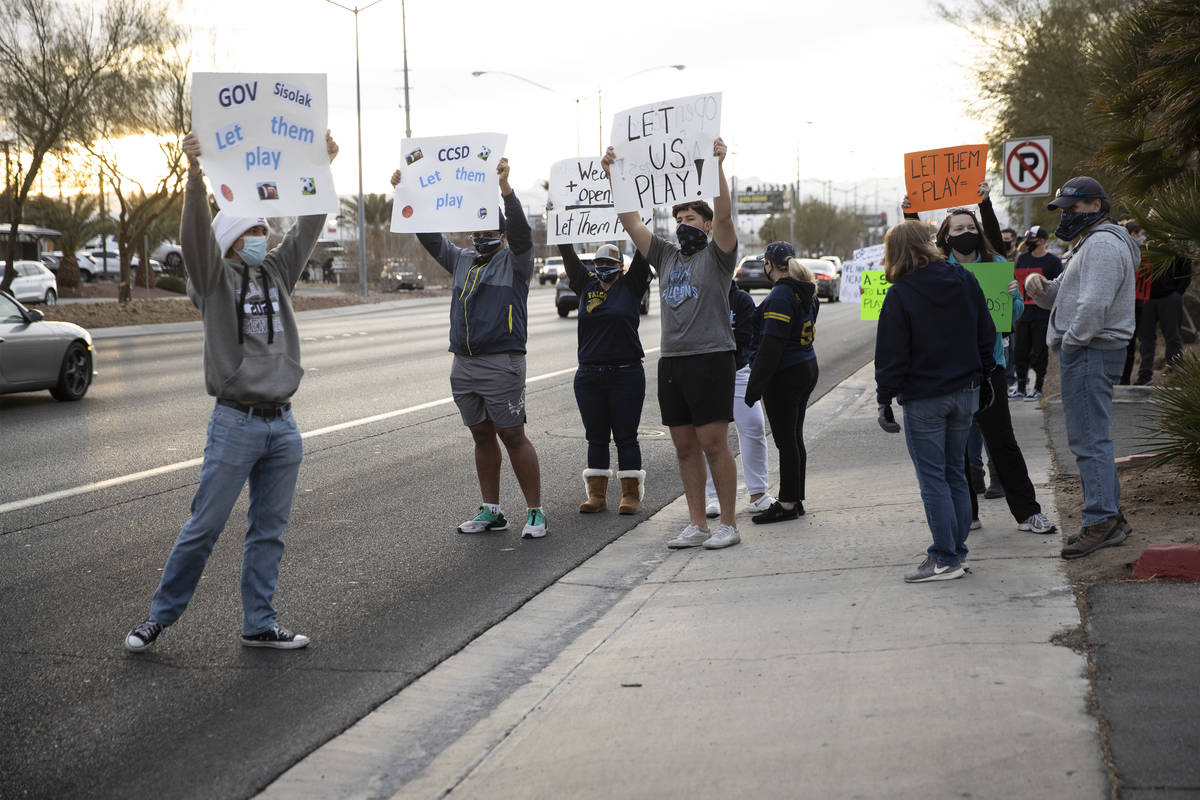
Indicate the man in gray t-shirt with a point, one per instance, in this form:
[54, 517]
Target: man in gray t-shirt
[696, 368]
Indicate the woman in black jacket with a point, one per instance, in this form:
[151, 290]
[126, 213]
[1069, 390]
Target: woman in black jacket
[784, 372]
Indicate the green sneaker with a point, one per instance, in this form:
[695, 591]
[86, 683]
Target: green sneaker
[535, 524]
[484, 521]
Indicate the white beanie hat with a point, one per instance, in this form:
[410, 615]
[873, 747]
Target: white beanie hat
[228, 228]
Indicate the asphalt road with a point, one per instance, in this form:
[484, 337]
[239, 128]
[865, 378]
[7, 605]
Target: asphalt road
[373, 572]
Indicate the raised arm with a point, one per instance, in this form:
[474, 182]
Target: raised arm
[201, 253]
[293, 252]
[987, 218]
[520, 236]
[631, 220]
[723, 232]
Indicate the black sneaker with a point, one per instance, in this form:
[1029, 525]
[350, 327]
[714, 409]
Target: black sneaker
[775, 513]
[143, 636]
[276, 636]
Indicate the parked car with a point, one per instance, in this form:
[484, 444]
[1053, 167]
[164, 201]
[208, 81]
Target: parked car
[328, 258]
[396, 276]
[749, 274]
[108, 262]
[36, 354]
[87, 267]
[566, 301]
[34, 283]
[171, 255]
[828, 275]
[551, 271]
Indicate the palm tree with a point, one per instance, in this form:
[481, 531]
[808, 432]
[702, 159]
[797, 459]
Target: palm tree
[77, 220]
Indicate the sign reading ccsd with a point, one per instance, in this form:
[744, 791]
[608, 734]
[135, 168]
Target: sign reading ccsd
[263, 142]
[448, 183]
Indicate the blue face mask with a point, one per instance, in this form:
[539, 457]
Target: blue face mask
[607, 273]
[254, 250]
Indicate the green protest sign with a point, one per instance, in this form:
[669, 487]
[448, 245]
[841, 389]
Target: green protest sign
[993, 277]
[873, 287]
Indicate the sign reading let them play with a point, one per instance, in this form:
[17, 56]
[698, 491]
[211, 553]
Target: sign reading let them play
[448, 184]
[262, 142]
[665, 153]
[946, 177]
[581, 202]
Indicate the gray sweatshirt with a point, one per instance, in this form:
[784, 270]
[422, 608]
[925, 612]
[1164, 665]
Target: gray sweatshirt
[262, 364]
[1091, 302]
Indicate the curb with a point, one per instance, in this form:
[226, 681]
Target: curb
[1169, 561]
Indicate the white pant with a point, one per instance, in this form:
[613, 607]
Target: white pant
[752, 438]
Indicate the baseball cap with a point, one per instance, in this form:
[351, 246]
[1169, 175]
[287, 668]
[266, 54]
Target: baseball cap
[1037, 232]
[608, 252]
[1078, 188]
[779, 252]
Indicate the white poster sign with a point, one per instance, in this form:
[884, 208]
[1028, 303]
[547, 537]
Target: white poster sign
[262, 142]
[582, 207]
[665, 152]
[448, 184]
[864, 258]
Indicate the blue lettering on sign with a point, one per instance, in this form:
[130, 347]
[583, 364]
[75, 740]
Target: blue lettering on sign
[297, 133]
[448, 201]
[237, 94]
[293, 94]
[262, 158]
[229, 136]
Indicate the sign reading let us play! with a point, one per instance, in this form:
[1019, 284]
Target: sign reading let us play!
[448, 184]
[262, 142]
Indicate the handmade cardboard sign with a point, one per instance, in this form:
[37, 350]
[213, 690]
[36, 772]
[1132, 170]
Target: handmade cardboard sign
[448, 184]
[665, 153]
[582, 208]
[864, 258]
[262, 140]
[946, 177]
[993, 279]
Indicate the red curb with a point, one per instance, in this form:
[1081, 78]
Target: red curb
[1169, 561]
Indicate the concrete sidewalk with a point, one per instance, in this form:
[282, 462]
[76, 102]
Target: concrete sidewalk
[796, 664]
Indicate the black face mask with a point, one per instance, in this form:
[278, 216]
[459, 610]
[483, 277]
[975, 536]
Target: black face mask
[1074, 223]
[485, 244]
[964, 242]
[691, 239]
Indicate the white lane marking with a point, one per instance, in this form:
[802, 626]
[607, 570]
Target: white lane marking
[62, 494]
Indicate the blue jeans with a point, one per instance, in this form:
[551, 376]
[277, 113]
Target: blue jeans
[610, 399]
[1087, 377]
[240, 447]
[935, 430]
[975, 445]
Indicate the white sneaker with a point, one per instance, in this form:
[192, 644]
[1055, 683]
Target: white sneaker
[976, 524]
[691, 536]
[760, 505]
[723, 536]
[713, 509]
[1038, 523]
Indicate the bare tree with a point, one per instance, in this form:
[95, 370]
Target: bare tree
[54, 58]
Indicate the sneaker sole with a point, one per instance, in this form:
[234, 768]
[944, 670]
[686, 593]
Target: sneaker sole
[945, 576]
[682, 545]
[1029, 529]
[1111, 541]
[275, 645]
[721, 545]
[533, 534]
[133, 649]
[489, 529]
[784, 518]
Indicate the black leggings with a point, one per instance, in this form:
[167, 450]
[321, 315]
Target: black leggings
[996, 425]
[786, 400]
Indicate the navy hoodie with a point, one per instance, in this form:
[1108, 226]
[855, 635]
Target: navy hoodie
[935, 335]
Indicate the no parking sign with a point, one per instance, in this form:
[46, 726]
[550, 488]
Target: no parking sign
[1027, 166]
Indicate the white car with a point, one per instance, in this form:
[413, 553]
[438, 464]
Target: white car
[34, 283]
[87, 267]
[171, 254]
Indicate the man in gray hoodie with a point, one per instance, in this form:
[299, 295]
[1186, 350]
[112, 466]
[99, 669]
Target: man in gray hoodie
[1091, 322]
[252, 368]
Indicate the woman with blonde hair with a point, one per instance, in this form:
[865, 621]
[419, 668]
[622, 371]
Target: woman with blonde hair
[933, 349]
[784, 371]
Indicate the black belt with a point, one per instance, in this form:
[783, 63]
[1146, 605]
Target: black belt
[273, 411]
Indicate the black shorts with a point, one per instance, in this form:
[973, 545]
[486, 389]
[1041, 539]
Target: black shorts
[696, 390]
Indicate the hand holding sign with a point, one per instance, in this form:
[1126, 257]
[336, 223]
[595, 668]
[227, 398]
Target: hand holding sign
[449, 183]
[580, 207]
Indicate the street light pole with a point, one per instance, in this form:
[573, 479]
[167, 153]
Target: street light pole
[404, 41]
[362, 224]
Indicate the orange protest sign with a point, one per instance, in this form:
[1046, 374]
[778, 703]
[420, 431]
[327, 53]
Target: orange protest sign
[946, 177]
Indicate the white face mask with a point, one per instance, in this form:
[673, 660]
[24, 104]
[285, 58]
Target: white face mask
[254, 250]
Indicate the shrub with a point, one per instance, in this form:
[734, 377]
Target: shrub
[171, 283]
[1175, 429]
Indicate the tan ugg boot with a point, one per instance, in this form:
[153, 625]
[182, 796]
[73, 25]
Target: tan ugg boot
[633, 487]
[595, 482]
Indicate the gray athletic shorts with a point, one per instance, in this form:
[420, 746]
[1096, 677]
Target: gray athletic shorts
[490, 387]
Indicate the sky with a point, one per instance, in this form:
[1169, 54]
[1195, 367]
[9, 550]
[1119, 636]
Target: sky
[830, 93]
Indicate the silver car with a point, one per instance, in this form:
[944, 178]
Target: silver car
[37, 354]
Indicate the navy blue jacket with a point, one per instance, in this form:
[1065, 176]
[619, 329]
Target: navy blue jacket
[741, 317]
[489, 307]
[935, 335]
